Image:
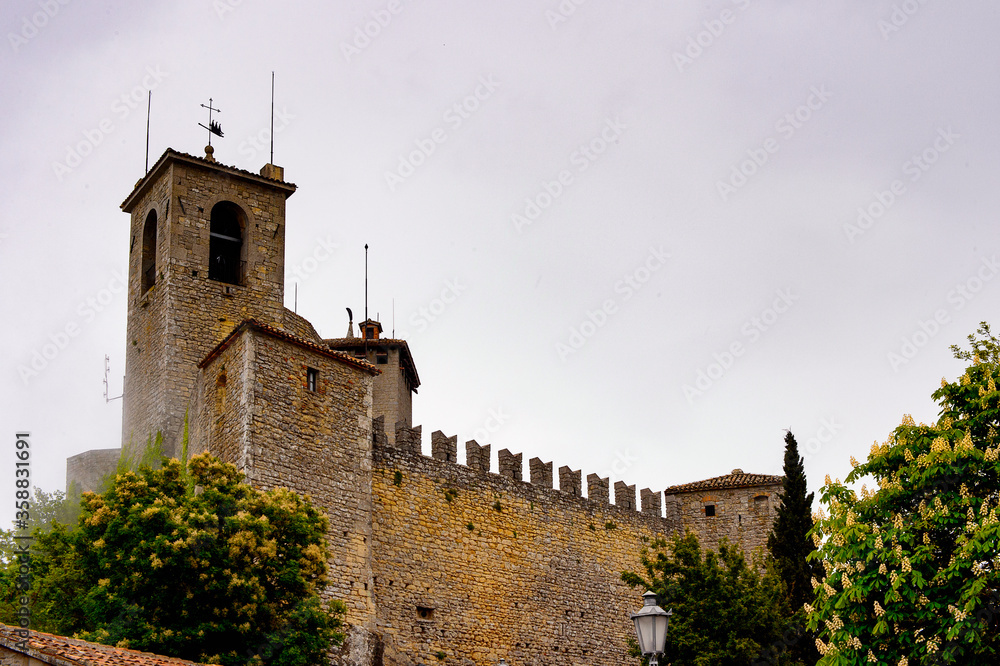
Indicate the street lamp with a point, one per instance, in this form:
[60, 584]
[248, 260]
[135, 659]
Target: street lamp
[651, 627]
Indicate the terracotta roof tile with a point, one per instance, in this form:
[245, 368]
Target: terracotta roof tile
[343, 357]
[52, 649]
[735, 479]
[354, 343]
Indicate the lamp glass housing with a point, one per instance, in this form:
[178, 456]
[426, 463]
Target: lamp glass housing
[651, 624]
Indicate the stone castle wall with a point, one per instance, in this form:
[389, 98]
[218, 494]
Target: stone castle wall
[431, 557]
[478, 566]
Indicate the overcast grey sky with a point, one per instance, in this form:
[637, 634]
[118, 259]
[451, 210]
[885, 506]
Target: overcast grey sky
[641, 238]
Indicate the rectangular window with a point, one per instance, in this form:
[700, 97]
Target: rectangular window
[709, 510]
[382, 358]
[311, 376]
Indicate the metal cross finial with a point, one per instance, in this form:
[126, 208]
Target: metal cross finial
[213, 126]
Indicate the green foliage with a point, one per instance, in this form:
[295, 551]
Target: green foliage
[56, 587]
[397, 478]
[450, 494]
[913, 568]
[789, 545]
[150, 456]
[725, 613]
[227, 575]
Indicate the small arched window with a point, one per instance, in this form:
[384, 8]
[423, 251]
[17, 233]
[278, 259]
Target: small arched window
[225, 243]
[148, 265]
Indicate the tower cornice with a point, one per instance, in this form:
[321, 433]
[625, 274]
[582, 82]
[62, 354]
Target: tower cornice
[171, 156]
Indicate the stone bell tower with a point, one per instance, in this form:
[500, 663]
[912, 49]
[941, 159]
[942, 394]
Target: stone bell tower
[206, 251]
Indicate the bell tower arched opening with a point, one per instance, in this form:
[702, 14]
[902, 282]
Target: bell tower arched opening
[225, 243]
[148, 276]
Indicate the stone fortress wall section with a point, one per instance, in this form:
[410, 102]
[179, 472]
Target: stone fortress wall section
[478, 566]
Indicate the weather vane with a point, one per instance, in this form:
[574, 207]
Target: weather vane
[213, 126]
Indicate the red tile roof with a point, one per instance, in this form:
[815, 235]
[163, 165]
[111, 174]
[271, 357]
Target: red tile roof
[253, 324]
[735, 479]
[64, 651]
[358, 343]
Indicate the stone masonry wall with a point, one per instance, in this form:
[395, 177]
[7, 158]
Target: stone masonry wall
[88, 469]
[742, 515]
[390, 395]
[10, 657]
[316, 443]
[173, 325]
[478, 566]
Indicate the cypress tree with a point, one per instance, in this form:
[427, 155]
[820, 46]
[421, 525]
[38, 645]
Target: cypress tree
[789, 545]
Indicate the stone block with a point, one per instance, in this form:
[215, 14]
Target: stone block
[650, 502]
[408, 439]
[477, 457]
[510, 465]
[443, 447]
[597, 489]
[624, 495]
[541, 472]
[569, 481]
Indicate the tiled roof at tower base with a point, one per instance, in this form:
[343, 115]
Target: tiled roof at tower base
[736, 479]
[50, 649]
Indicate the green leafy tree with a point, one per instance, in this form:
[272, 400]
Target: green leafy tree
[225, 574]
[725, 613]
[790, 546]
[912, 569]
[51, 516]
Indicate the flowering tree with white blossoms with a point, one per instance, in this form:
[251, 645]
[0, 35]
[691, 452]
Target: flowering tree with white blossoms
[913, 567]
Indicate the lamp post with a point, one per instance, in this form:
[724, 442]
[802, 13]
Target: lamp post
[651, 627]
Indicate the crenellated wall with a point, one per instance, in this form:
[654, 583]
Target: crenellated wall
[480, 566]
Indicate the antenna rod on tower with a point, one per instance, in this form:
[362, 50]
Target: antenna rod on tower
[149, 102]
[272, 117]
[366, 281]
